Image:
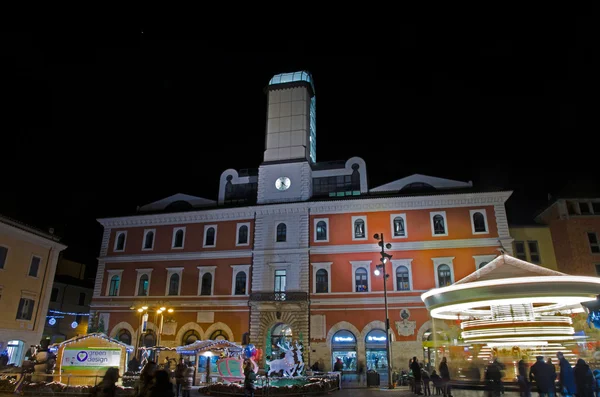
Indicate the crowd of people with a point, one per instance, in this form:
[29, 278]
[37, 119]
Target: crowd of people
[423, 382]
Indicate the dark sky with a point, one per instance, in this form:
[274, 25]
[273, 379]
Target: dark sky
[96, 124]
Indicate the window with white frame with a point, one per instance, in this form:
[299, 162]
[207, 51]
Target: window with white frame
[243, 234]
[178, 239]
[398, 224]
[280, 280]
[439, 225]
[25, 309]
[443, 271]
[206, 280]
[321, 277]
[482, 260]
[593, 240]
[321, 226]
[148, 241]
[142, 286]
[534, 251]
[239, 280]
[113, 286]
[520, 250]
[361, 278]
[479, 223]
[359, 227]
[173, 287]
[210, 236]
[34, 266]
[120, 241]
[402, 274]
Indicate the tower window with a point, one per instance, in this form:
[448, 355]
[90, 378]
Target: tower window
[281, 233]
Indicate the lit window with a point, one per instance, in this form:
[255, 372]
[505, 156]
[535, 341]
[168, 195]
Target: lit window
[361, 277]
[399, 227]
[322, 281]
[444, 275]
[280, 280]
[402, 281]
[281, 232]
[593, 240]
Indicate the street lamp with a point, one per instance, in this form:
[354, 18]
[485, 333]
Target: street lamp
[381, 268]
[158, 311]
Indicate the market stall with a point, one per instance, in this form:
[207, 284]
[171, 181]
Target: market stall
[205, 355]
[83, 360]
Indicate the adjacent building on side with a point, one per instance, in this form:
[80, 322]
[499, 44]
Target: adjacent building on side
[575, 227]
[533, 243]
[287, 251]
[28, 258]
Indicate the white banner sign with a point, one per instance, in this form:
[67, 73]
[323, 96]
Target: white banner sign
[87, 358]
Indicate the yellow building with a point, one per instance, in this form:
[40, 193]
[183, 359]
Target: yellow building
[533, 243]
[28, 258]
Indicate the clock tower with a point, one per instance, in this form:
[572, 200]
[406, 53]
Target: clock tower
[290, 145]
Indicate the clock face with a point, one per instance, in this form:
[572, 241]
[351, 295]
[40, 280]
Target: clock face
[283, 183]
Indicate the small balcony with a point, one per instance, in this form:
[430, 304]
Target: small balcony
[287, 296]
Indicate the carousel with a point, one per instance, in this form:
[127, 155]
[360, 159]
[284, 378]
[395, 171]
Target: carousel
[511, 310]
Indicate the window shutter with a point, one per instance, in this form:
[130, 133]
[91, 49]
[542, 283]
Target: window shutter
[20, 309]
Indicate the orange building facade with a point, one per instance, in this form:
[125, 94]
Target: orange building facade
[287, 252]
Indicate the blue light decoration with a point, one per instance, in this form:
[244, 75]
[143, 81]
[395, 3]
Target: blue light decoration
[52, 321]
[594, 319]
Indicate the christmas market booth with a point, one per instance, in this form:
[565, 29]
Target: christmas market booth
[206, 354]
[83, 360]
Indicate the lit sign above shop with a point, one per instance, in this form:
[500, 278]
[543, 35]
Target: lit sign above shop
[343, 339]
[376, 338]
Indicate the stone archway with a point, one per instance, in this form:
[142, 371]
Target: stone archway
[219, 326]
[377, 324]
[123, 325]
[188, 327]
[427, 325]
[270, 319]
[344, 325]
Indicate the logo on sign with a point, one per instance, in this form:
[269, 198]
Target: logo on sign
[376, 338]
[343, 339]
[82, 356]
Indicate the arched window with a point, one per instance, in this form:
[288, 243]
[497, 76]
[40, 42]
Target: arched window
[402, 281]
[280, 334]
[439, 227]
[243, 235]
[120, 242]
[444, 275]
[240, 283]
[210, 236]
[124, 336]
[206, 284]
[178, 240]
[149, 240]
[482, 264]
[174, 284]
[281, 232]
[218, 335]
[355, 178]
[359, 228]
[399, 227]
[361, 278]
[190, 337]
[148, 339]
[478, 222]
[321, 230]
[114, 285]
[322, 281]
[143, 285]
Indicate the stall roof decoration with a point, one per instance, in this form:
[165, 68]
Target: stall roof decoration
[205, 345]
[97, 334]
[158, 348]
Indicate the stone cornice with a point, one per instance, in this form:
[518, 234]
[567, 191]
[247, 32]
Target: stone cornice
[406, 246]
[177, 256]
[220, 214]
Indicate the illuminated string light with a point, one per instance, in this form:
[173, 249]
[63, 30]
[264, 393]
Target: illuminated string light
[68, 313]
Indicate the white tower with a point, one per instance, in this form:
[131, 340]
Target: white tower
[285, 174]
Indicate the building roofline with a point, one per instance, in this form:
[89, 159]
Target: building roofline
[27, 228]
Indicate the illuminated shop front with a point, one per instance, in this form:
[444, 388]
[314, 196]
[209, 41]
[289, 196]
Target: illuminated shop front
[375, 350]
[343, 346]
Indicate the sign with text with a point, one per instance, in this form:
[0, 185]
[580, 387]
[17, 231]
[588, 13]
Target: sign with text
[90, 358]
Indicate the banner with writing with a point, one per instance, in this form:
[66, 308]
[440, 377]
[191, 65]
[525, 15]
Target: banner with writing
[90, 358]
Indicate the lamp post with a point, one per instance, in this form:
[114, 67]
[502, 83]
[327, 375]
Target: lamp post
[381, 268]
[143, 311]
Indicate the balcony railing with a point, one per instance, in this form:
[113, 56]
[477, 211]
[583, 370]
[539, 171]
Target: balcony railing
[287, 296]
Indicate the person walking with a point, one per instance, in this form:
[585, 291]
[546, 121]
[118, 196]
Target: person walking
[179, 371]
[249, 379]
[416, 370]
[108, 386]
[585, 384]
[566, 376]
[445, 375]
[543, 375]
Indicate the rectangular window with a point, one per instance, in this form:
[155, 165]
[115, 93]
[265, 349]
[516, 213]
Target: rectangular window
[3, 254]
[54, 295]
[598, 269]
[534, 252]
[595, 207]
[25, 310]
[593, 239]
[35, 266]
[520, 250]
[82, 299]
[584, 208]
[280, 280]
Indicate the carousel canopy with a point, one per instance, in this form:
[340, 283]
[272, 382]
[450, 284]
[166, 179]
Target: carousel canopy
[200, 346]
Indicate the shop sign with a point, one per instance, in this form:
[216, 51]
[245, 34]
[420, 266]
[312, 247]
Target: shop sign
[90, 358]
[376, 338]
[343, 339]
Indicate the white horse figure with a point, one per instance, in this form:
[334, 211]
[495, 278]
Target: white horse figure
[287, 363]
[300, 365]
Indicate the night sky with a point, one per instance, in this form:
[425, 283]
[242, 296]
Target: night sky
[97, 125]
